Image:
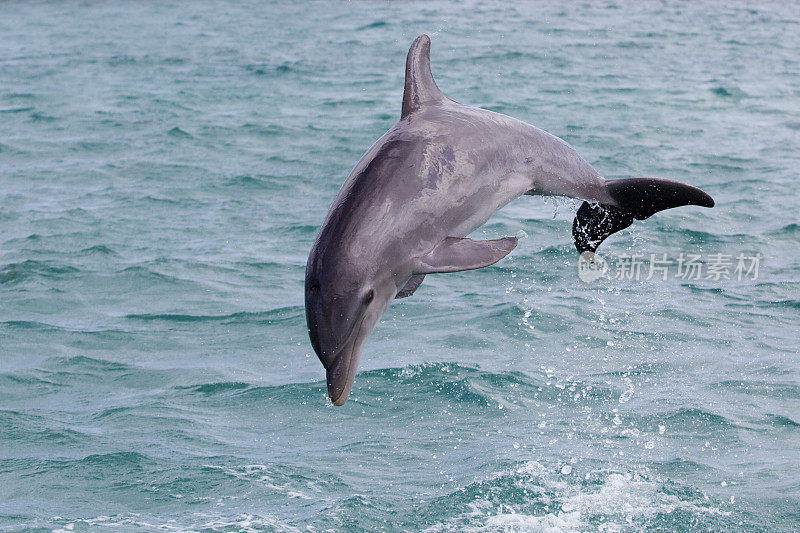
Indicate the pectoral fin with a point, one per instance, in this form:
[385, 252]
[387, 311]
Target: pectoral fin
[456, 254]
[410, 286]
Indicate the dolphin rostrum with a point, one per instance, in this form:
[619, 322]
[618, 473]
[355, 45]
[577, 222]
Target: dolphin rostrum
[434, 177]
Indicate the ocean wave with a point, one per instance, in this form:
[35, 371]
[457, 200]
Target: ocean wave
[260, 265]
[374, 25]
[719, 291]
[257, 396]
[273, 316]
[210, 389]
[205, 522]
[274, 70]
[89, 364]
[16, 109]
[696, 236]
[790, 229]
[450, 381]
[98, 249]
[262, 182]
[435, 383]
[544, 497]
[297, 230]
[8, 149]
[159, 275]
[291, 480]
[268, 130]
[782, 421]
[697, 421]
[96, 465]
[112, 459]
[172, 422]
[776, 389]
[178, 133]
[16, 272]
[9, 380]
[61, 373]
[730, 91]
[26, 428]
[30, 325]
[792, 304]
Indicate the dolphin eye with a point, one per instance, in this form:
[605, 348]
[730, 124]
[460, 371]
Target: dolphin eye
[370, 296]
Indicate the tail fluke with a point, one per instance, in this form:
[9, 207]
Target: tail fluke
[595, 222]
[634, 198]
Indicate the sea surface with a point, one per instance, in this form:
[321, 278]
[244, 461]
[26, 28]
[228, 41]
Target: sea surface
[164, 169]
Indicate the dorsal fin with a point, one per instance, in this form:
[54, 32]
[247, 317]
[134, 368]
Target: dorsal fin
[420, 88]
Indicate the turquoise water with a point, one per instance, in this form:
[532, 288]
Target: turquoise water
[164, 170]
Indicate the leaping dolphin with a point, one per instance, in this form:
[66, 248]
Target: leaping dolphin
[434, 177]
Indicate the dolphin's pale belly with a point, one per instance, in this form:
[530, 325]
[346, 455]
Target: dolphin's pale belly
[479, 207]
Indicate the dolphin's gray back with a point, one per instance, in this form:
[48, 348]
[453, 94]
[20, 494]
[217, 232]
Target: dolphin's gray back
[456, 165]
[444, 162]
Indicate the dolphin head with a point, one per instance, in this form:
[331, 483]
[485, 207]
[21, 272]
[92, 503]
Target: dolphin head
[344, 302]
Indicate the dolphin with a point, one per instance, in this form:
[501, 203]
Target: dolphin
[438, 174]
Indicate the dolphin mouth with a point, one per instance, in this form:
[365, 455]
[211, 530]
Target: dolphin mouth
[341, 374]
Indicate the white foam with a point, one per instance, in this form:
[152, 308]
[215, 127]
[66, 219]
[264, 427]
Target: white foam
[549, 523]
[263, 475]
[622, 500]
[244, 523]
